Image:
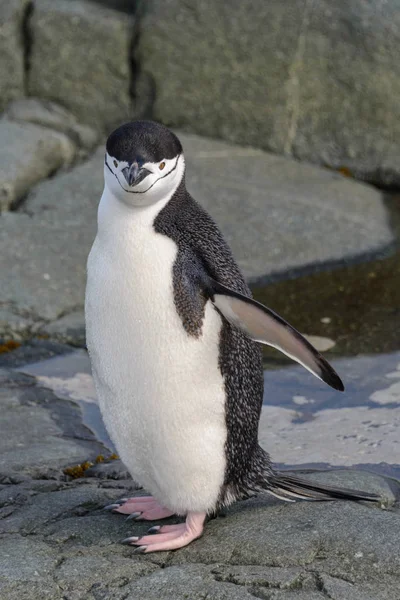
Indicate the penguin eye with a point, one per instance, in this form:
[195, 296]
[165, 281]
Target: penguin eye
[115, 163]
[161, 166]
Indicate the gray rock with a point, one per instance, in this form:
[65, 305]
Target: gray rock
[52, 115]
[80, 58]
[31, 351]
[61, 227]
[15, 565]
[47, 433]
[12, 67]
[305, 423]
[114, 469]
[69, 329]
[345, 536]
[127, 6]
[339, 589]
[322, 84]
[105, 576]
[28, 154]
[12, 324]
[344, 109]
[26, 567]
[42, 512]
[277, 214]
[193, 581]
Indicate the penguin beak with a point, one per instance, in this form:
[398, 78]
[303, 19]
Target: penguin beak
[135, 173]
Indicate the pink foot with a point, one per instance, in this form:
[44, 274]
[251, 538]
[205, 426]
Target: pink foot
[170, 537]
[141, 508]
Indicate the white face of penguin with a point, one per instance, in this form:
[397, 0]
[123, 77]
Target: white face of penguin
[143, 184]
[143, 164]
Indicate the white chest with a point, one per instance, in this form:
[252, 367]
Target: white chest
[160, 390]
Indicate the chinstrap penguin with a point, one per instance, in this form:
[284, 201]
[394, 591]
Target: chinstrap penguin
[172, 333]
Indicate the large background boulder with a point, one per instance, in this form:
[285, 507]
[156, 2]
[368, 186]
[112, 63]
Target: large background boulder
[12, 64]
[317, 80]
[80, 58]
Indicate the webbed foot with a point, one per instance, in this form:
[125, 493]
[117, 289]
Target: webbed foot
[170, 537]
[140, 508]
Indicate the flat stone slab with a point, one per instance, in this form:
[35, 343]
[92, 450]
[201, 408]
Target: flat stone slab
[264, 548]
[28, 154]
[52, 115]
[278, 215]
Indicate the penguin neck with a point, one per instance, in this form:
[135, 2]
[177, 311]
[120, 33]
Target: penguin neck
[114, 214]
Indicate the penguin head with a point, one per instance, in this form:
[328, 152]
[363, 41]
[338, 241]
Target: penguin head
[144, 163]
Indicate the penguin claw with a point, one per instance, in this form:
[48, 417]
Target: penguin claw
[134, 515]
[111, 506]
[154, 529]
[140, 550]
[129, 540]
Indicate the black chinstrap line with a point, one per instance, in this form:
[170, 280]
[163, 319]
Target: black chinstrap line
[149, 188]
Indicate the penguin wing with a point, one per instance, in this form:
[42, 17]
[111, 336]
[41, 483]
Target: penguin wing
[263, 325]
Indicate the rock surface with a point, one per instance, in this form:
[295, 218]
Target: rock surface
[12, 50]
[278, 216]
[80, 58]
[315, 80]
[28, 154]
[263, 548]
[52, 115]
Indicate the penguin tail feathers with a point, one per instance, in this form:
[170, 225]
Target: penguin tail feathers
[292, 488]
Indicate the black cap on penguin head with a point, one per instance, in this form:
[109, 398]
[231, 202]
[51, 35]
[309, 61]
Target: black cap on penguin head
[150, 141]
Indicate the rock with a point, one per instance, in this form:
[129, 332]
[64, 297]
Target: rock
[262, 531]
[348, 78]
[62, 227]
[322, 344]
[321, 85]
[281, 215]
[17, 568]
[52, 115]
[116, 571]
[12, 67]
[113, 469]
[127, 6]
[32, 351]
[28, 154]
[80, 58]
[340, 589]
[47, 433]
[193, 581]
[25, 579]
[277, 214]
[306, 423]
[69, 329]
[12, 324]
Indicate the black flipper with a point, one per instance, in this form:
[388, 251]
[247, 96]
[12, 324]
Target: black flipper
[264, 325]
[291, 488]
